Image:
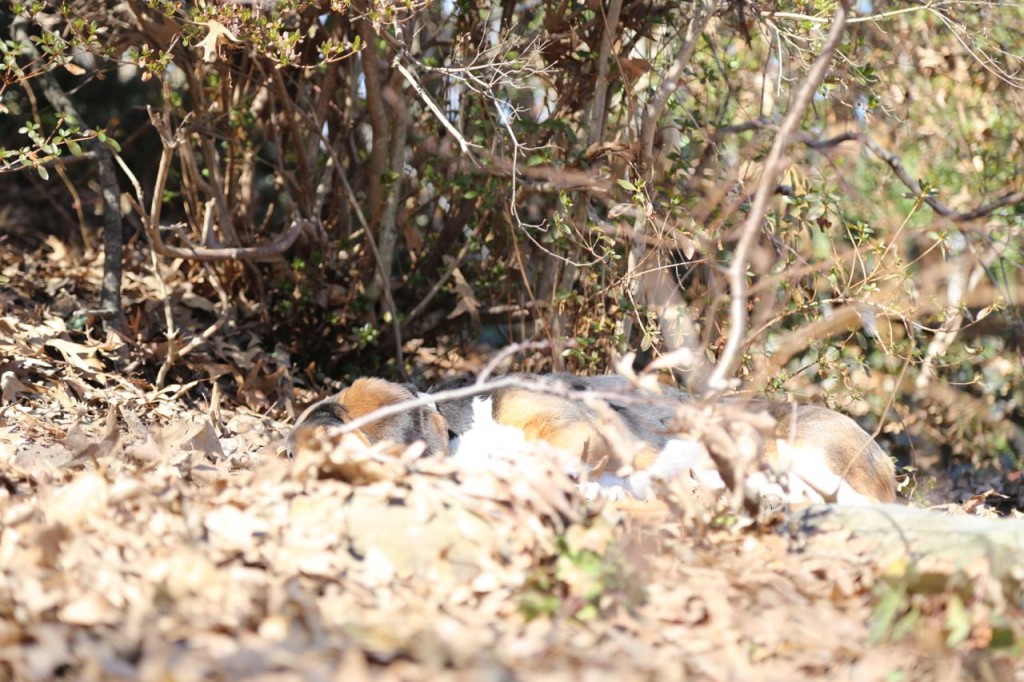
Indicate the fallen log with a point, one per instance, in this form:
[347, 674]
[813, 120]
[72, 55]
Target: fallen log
[930, 550]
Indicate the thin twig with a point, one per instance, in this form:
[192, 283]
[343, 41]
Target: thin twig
[539, 385]
[197, 341]
[151, 220]
[453, 264]
[893, 161]
[852, 20]
[173, 354]
[464, 145]
[505, 352]
[389, 301]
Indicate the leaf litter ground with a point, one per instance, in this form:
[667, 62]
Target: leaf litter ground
[146, 534]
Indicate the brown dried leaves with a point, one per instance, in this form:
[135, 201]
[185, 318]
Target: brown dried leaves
[348, 560]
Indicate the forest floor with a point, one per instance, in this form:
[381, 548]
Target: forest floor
[158, 533]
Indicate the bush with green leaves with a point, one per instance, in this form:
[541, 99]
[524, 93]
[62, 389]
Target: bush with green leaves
[812, 198]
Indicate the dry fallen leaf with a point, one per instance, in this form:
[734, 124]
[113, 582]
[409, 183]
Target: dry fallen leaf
[89, 609]
[80, 356]
[231, 528]
[217, 34]
[12, 387]
[79, 501]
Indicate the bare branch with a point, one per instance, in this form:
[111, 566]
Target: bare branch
[387, 233]
[546, 178]
[598, 110]
[895, 163]
[703, 11]
[843, 318]
[774, 166]
[151, 220]
[378, 121]
[389, 300]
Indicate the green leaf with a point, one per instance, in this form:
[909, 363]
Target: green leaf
[958, 622]
[113, 144]
[884, 617]
[43, 173]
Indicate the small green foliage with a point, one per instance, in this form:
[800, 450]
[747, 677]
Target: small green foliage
[892, 609]
[366, 335]
[44, 145]
[586, 577]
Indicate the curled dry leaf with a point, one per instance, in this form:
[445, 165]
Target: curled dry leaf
[81, 357]
[12, 387]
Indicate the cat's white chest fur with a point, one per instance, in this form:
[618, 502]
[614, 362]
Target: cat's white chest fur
[486, 439]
